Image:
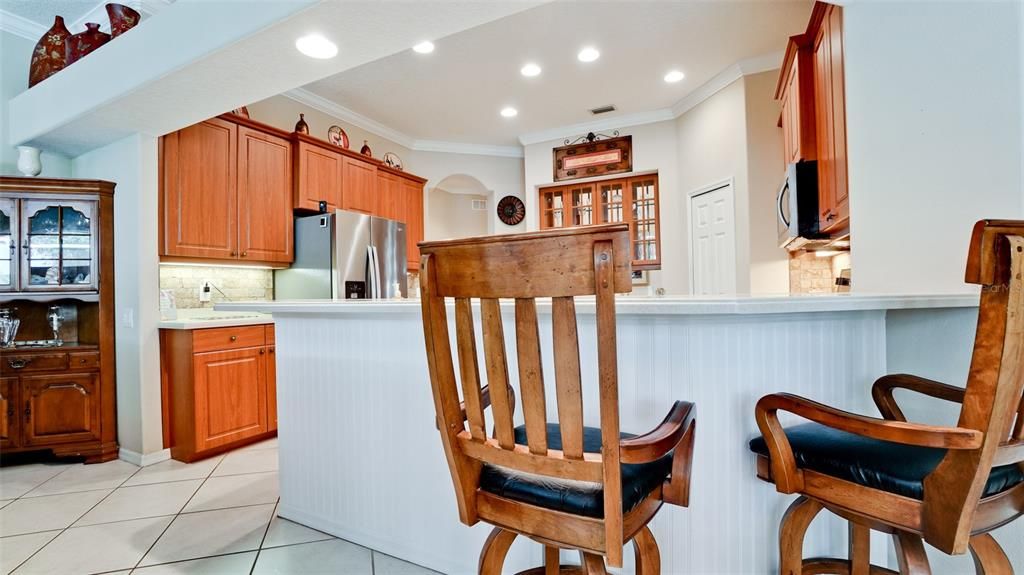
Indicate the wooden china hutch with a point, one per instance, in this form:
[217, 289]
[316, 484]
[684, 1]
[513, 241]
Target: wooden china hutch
[57, 383]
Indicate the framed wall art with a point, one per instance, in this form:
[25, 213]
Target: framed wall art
[593, 157]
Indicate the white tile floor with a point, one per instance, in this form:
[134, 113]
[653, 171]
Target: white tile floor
[215, 516]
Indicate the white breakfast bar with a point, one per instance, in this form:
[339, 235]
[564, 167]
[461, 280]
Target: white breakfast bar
[360, 457]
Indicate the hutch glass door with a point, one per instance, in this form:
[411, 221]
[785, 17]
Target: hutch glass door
[8, 250]
[60, 251]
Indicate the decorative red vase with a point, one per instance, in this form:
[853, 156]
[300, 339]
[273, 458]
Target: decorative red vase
[49, 56]
[122, 18]
[365, 150]
[81, 44]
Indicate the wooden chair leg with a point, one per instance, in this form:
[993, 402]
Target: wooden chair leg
[791, 534]
[989, 557]
[860, 549]
[592, 564]
[552, 561]
[910, 554]
[648, 557]
[492, 557]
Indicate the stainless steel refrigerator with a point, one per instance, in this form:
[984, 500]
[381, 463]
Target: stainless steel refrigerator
[345, 255]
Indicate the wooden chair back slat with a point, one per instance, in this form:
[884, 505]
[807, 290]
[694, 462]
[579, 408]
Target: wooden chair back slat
[567, 376]
[469, 369]
[531, 376]
[557, 264]
[497, 372]
[995, 385]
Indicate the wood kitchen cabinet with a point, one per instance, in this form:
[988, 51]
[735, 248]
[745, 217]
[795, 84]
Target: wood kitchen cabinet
[830, 117]
[219, 386]
[226, 193]
[359, 186]
[400, 197]
[812, 92]
[317, 177]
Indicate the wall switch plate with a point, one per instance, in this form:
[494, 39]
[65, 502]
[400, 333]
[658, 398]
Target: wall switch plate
[128, 318]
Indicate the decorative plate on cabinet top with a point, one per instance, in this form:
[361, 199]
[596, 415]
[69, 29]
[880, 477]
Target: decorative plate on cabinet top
[337, 136]
[511, 210]
[392, 160]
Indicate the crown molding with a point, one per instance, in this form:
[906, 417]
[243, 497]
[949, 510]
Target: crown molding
[610, 123]
[344, 114]
[23, 27]
[473, 149]
[331, 108]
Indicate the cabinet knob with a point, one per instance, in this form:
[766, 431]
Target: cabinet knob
[234, 338]
[271, 350]
[262, 351]
[244, 254]
[18, 363]
[233, 254]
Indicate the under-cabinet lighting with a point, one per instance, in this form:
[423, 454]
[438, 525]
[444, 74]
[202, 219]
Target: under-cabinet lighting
[316, 46]
[238, 267]
[826, 253]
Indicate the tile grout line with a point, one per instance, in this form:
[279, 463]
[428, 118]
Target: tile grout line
[176, 515]
[102, 499]
[259, 549]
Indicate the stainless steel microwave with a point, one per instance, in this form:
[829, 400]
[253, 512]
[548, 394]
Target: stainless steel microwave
[797, 207]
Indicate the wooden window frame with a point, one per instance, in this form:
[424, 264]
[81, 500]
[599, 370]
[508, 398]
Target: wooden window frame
[597, 205]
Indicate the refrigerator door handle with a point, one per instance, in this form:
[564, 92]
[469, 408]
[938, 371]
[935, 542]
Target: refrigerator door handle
[374, 276]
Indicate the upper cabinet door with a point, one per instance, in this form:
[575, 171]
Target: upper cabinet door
[359, 186]
[264, 197]
[8, 245]
[199, 194]
[390, 200]
[412, 198]
[318, 177]
[60, 245]
[840, 194]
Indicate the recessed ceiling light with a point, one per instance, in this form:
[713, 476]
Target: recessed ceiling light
[530, 70]
[674, 76]
[316, 46]
[588, 54]
[509, 112]
[425, 47]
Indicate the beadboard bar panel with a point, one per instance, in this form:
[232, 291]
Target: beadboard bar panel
[361, 458]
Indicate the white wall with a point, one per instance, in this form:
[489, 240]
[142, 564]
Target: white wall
[934, 135]
[132, 164]
[15, 56]
[453, 216]
[769, 264]
[654, 148]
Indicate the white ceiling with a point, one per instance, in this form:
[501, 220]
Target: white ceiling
[455, 93]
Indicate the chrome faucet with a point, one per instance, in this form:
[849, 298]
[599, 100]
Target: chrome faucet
[55, 318]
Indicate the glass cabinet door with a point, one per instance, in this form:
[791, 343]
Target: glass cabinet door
[582, 198]
[644, 192]
[552, 209]
[8, 249]
[59, 246]
[611, 201]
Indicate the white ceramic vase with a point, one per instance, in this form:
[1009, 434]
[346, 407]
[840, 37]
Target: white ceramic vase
[28, 161]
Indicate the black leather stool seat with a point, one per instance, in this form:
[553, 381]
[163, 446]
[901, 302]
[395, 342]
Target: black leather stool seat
[576, 497]
[891, 467]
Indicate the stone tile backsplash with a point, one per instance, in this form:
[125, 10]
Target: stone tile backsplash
[811, 274]
[236, 283]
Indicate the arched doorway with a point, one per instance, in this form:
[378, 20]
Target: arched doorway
[457, 207]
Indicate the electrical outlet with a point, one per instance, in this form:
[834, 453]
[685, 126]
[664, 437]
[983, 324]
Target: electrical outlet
[206, 291]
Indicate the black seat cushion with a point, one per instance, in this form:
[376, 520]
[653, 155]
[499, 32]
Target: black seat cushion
[883, 465]
[576, 497]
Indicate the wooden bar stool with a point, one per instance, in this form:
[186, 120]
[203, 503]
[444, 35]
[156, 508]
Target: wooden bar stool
[561, 484]
[946, 486]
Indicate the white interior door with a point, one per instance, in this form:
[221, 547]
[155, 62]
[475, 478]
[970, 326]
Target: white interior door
[713, 241]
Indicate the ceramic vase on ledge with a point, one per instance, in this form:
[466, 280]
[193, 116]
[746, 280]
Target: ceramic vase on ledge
[28, 161]
[49, 56]
[81, 44]
[122, 19]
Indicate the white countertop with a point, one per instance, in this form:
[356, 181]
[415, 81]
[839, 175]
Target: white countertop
[202, 318]
[642, 305]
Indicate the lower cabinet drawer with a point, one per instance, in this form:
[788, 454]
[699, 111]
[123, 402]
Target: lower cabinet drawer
[227, 338]
[14, 364]
[84, 360]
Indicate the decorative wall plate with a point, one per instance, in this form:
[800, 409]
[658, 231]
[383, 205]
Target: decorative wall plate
[511, 210]
[243, 112]
[392, 160]
[337, 136]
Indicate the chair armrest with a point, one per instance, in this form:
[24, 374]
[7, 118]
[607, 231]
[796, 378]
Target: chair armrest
[674, 435]
[881, 392]
[789, 479]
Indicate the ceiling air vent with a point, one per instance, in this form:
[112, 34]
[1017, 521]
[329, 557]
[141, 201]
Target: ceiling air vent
[480, 205]
[603, 109]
